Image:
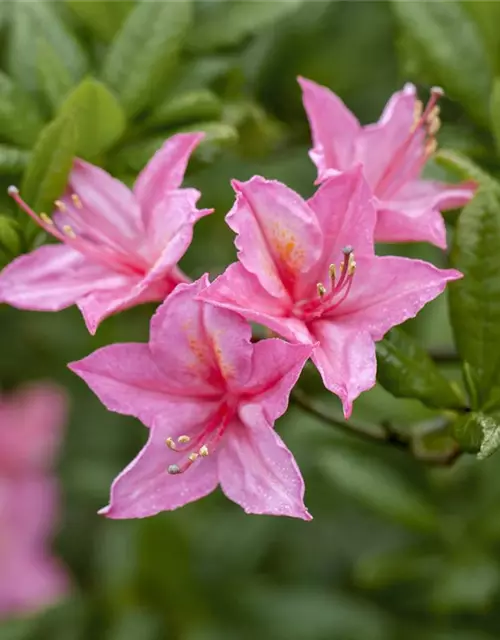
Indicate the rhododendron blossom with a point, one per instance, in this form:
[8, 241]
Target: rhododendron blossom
[393, 153]
[307, 270]
[30, 429]
[211, 398]
[119, 247]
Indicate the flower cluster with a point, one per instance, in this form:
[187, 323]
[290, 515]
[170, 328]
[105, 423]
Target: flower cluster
[30, 426]
[306, 270]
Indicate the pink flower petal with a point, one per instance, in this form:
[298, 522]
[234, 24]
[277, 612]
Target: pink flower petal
[400, 222]
[198, 346]
[279, 239]
[334, 128]
[145, 487]
[377, 144]
[238, 290]
[126, 378]
[258, 472]
[276, 368]
[50, 278]
[387, 291]
[165, 171]
[345, 359]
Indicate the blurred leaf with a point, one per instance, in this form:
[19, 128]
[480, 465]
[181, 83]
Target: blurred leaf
[227, 22]
[379, 487]
[55, 79]
[433, 442]
[20, 120]
[51, 161]
[136, 624]
[475, 299]
[143, 55]
[9, 236]
[30, 22]
[103, 17]
[12, 160]
[449, 45]
[491, 436]
[98, 117]
[186, 107]
[487, 17]
[495, 111]
[463, 167]
[467, 432]
[469, 583]
[406, 370]
[394, 567]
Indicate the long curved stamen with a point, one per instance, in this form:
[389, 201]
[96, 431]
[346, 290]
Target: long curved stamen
[425, 119]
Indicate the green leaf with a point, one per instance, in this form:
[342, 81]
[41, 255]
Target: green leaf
[30, 22]
[20, 120]
[144, 54]
[467, 432]
[51, 161]
[475, 299]
[394, 567]
[55, 79]
[103, 17]
[379, 487]
[491, 436]
[9, 235]
[487, 17]
[13, 160]
[227, 22]
[449, 47]
[187, 107]
[464, 168]
[495, 111]
[405, 369]
[98, 117]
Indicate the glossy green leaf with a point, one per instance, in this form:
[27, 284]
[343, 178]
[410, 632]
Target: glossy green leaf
[495, 111]
[228, 22]
[103, 17]
[9, 235]
[20, 119]
[379, 487]
[32, 21]
[13, 160]
[475, 299]
[98, 117]
[449, 47]
[144, 54]
[406, 370]
[467, 432]
[186, 107]
[491, 436]
[47, 173]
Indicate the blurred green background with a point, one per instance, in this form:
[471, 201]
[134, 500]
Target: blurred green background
[397, 548]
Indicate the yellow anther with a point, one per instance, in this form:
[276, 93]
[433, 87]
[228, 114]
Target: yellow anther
[351, 267]
[193, 456]
[45, 218]
[69, 231]
[61, 206]
[332, 271]
[433, 113]
[321, 289]
[183, 439]
[433, 126]
[170, 443]
[430, 147]
[203, 451]
[418, 110]
[76, 201]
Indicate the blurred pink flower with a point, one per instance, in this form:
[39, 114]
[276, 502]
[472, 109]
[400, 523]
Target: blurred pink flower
[211, 398]
[393, 153]
[30, 429]
[120, 248]
[298, 276]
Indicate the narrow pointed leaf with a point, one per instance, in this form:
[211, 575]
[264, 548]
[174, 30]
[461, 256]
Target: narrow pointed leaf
[187, 107]
[144, 54]
[104, 18]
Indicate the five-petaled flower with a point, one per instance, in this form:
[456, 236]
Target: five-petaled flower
[307, 270]
[393, 153]
[30, 430]
[211, 398]
[120, 248]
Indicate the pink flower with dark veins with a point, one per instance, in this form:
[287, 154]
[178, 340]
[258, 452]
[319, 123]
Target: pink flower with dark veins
[211, 398]
[297, 274]
[393, 153]
[30, 430]
[119, 247]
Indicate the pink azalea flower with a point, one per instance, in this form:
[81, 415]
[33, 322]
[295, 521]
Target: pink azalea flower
[393, 153]
[211, 398]
[30, 429]
[119, 247]
[298, 276]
